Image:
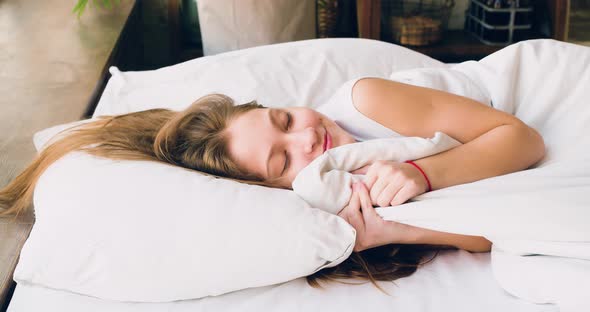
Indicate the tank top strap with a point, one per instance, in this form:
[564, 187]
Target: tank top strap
[341, 110]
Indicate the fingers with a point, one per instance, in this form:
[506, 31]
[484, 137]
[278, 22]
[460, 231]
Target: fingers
[373, 183]
[371, 175]
[390, 192]
[385, 181]
[402, 195]
[372, 236]
[377, 189]
[364, 200]
[367, 209]
[352, 213]
[361, 170]
[352, 202]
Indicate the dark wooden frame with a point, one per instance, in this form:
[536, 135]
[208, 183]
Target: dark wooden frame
[369, 17]
[560, 18]
[457, 46]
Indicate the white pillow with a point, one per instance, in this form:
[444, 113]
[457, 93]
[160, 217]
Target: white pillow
[301, 73]
[144, 231]
[151, 232]
[45, 137]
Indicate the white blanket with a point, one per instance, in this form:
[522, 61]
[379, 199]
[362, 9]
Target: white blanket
[325, 182]
[537, 219]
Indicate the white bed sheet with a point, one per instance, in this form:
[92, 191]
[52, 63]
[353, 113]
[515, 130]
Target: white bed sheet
[455, 281]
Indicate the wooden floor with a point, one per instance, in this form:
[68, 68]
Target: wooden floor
[51, 66]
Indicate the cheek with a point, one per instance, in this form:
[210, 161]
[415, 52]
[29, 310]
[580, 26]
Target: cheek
[298, 164]
[308, 117]
[339, 135]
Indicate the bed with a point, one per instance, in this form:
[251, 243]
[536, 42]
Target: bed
[455, 281]
[310, 70]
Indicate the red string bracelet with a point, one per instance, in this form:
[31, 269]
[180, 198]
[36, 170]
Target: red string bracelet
[421, 171]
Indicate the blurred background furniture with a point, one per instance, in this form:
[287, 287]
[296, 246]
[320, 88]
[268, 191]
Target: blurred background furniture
[249, 23]
[551, 20]
[577, 22]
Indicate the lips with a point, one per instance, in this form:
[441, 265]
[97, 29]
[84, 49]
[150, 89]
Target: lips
[327, 141]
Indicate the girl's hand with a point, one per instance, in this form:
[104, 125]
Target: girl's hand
[392, 183]
[371, 229]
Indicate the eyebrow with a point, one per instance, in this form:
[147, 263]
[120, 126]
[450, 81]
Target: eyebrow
[273, 122]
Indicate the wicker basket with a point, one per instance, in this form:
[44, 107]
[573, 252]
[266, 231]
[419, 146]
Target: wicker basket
[416, 22]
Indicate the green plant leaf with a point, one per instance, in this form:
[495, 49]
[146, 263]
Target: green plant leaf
[79, 8]
[79, 5]
[82, 4]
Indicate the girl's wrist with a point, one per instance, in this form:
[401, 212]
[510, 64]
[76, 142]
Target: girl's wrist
[426, 181]
[400, 233]
[409, 234]
[417, 235]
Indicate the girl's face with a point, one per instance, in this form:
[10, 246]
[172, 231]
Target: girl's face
[276, 143]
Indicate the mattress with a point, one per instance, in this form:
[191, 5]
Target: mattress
[455, 280]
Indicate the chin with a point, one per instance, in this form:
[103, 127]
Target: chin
[341, 137]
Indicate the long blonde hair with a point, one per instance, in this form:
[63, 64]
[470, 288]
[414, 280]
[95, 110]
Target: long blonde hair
[194, 138]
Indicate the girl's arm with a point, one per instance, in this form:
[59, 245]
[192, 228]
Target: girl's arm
[430, 237]
[494, 142]
[372, 231]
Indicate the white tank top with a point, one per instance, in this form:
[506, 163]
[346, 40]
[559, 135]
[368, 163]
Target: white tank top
[341, 110]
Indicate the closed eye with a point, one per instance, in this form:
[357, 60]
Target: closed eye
[287, 127]
[289, 120]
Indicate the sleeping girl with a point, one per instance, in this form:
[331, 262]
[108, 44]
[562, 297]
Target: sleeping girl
[270, 146]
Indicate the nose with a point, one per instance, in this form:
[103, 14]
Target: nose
[306, 139]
